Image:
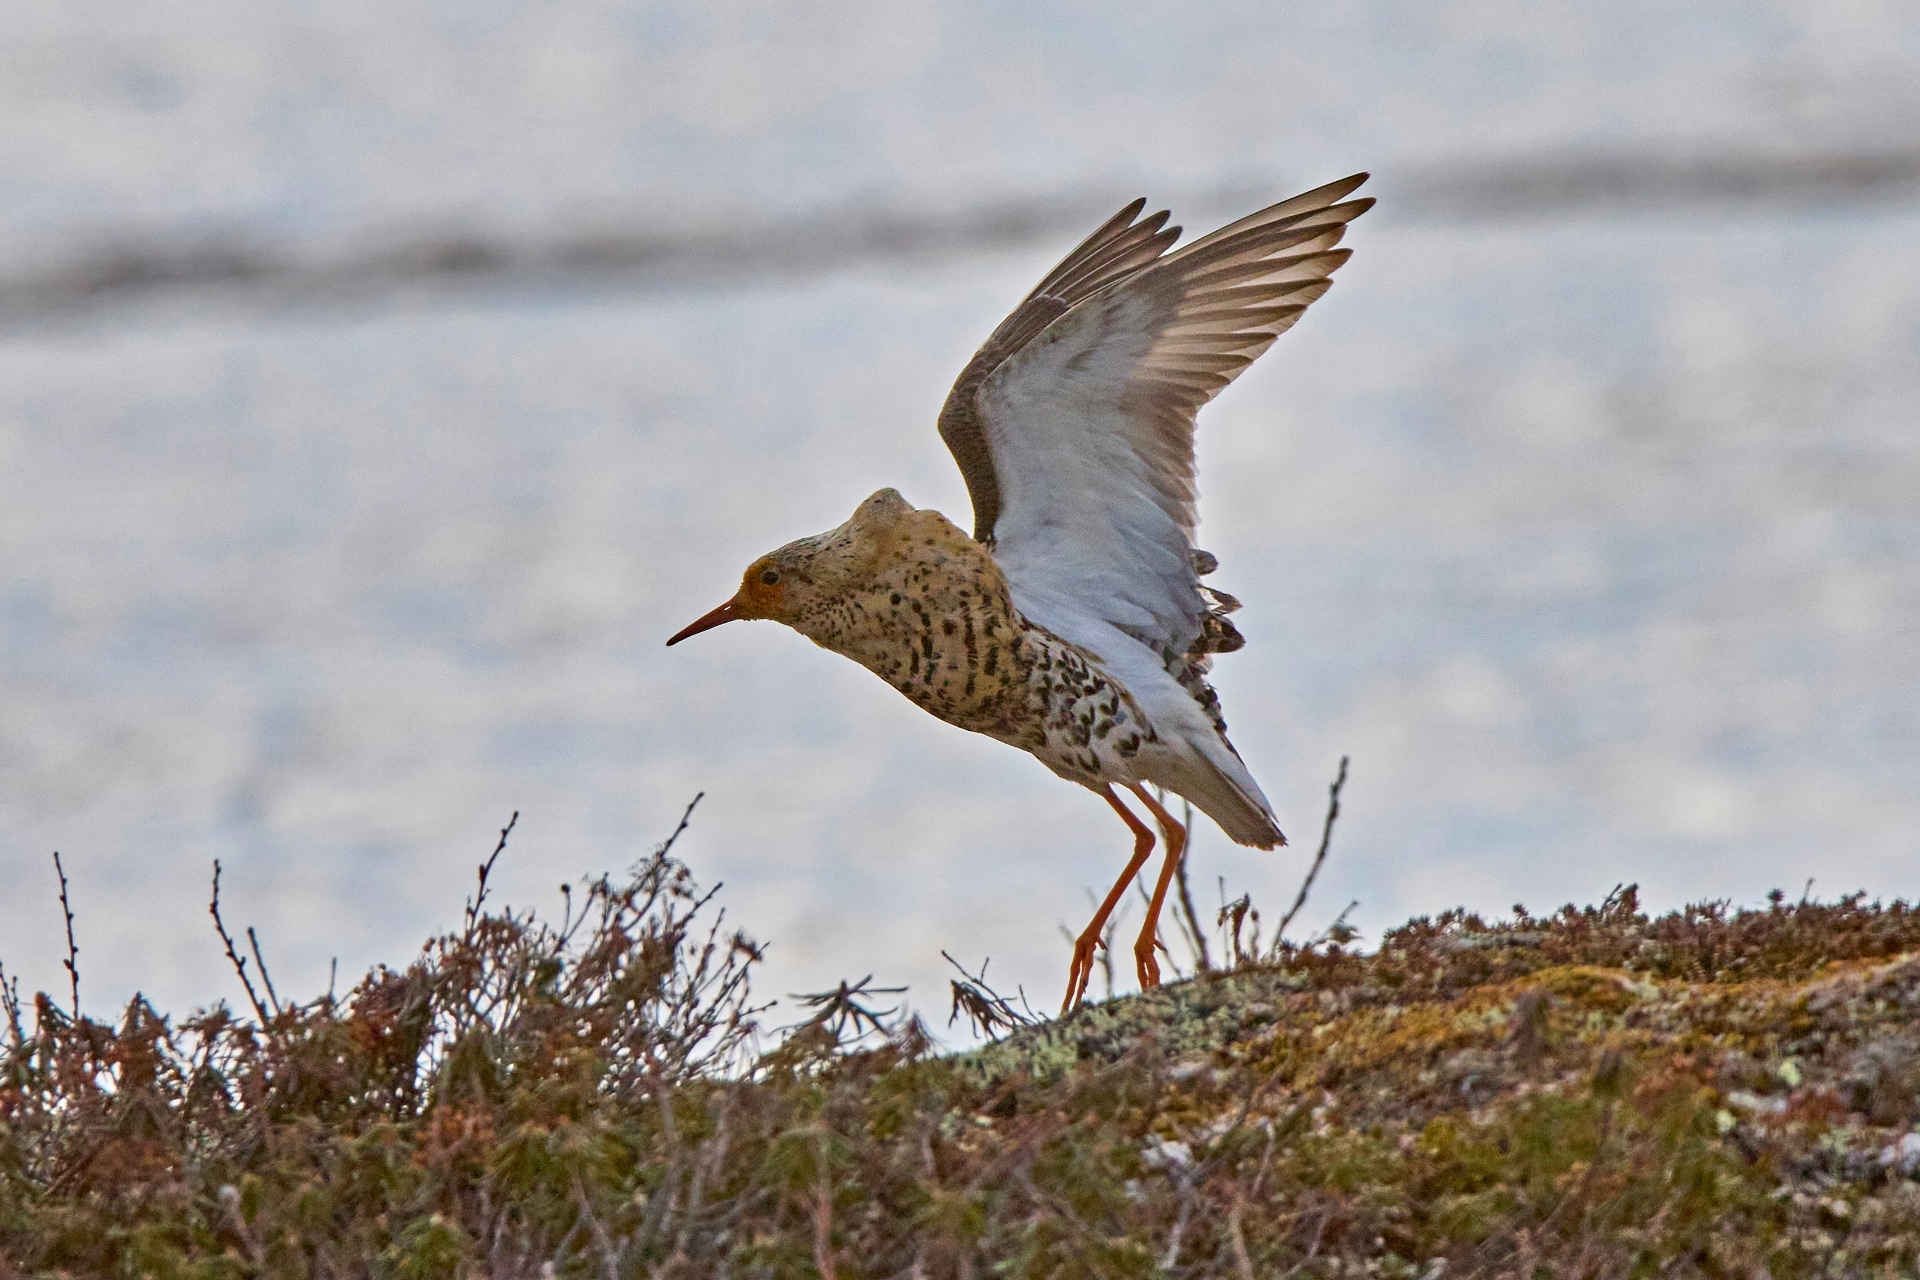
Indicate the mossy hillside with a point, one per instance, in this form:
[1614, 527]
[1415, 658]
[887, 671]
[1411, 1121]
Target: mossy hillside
[1597, 1093]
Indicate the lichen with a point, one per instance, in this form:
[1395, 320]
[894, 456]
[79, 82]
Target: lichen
[1596, 1093]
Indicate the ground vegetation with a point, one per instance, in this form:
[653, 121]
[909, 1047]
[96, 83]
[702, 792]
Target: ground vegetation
[1595, 1092]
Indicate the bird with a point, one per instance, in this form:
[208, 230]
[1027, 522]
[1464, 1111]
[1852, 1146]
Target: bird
[1072, 622]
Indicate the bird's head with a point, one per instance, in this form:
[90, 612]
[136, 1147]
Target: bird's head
[809, 584]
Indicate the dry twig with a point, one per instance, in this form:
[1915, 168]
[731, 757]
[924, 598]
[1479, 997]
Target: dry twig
[840, 1010]
[260, 963]
[233, 955]
[1326, 838]
[987, 1010]
[479, 898]
[1188, 918]
[72, 962]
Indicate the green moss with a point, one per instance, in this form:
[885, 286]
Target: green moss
[1595, 1093]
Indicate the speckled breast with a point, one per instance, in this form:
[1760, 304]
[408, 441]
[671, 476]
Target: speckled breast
[1091, 728]
[935, 620]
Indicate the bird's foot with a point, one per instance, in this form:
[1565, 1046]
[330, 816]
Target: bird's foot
[1147, 965]
[1081, 971]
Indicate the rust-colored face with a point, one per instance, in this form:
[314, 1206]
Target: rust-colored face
[761, 595]
[805, 578]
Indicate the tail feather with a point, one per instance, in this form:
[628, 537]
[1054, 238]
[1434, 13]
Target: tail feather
[1219, 786]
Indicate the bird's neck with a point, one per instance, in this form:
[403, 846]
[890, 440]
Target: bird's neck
[936, 622]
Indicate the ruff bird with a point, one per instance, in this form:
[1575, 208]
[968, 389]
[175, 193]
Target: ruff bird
[1073, 623]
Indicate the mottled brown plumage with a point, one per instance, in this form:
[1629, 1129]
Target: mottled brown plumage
[911, 598]
[1073, 623]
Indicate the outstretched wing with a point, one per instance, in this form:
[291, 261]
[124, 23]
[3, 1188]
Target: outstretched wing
[1074, 424]
[1117, 250]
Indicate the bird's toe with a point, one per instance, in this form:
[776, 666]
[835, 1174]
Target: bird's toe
[1147, 964]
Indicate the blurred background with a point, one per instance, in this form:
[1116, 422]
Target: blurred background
[382, 381]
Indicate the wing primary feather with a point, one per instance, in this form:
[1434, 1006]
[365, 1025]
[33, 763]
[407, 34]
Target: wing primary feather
[1113, 238]
[1118, 248]
[1136, 243]
[1078, 449]
[1306, 202]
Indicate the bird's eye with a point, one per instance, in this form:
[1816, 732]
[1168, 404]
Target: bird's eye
[770, 576]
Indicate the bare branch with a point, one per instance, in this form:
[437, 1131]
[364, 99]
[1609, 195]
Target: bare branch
[1188, 918]
[10, 1008]
[840, 1009]
[72, 961]
[1233, 918]
[233, 955]
[260, 963]
[673, 837]
[486, 869]
[987, 1010]
[1339, 932]
[1326, 837]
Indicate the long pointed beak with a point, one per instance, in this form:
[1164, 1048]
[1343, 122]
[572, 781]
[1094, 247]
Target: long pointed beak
[725, 613]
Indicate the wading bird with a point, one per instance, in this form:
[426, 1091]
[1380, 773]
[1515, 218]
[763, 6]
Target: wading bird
[1073, 623]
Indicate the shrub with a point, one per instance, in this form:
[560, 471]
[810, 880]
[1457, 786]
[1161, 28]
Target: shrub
[1595, 1093]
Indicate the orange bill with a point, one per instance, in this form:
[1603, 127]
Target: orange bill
[707, 622]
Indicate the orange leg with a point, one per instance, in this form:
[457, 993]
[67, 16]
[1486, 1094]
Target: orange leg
[1175, 838]
[1089, 941]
